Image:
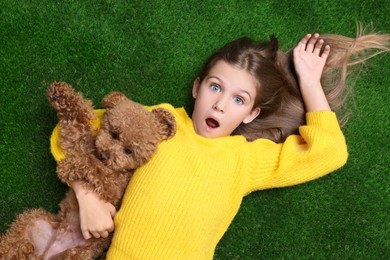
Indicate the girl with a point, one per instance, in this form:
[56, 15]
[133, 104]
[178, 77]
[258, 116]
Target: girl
[252, 128]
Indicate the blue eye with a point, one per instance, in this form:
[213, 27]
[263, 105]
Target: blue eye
[215, 87]
[238, 100]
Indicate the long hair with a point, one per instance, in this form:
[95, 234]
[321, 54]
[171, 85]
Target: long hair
[278, 95]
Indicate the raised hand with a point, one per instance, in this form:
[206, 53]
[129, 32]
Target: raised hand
[310, 56]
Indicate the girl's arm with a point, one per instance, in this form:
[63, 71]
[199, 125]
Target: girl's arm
[96, 216]
[309, 60]
[320, 148]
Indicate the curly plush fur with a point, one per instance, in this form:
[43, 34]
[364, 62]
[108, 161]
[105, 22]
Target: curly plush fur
[128, 136]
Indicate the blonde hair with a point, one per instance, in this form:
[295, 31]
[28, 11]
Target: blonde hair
[278, 94]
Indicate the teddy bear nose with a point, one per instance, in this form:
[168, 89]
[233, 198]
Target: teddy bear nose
[103, 156]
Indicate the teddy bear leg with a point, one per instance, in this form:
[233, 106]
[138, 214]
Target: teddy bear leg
[67, 234]
[28, 235]
[91, 249]
[70, 244]
[68, 241]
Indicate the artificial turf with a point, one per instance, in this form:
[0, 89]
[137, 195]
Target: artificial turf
[152, 51]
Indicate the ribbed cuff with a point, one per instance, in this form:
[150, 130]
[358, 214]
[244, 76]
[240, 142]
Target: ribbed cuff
[325, 119]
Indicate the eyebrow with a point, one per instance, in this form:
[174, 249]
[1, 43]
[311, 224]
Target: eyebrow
[240, 89]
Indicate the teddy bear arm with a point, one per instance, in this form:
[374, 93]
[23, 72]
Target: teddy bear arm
[74, 168]
[95, 176]
[76, 138]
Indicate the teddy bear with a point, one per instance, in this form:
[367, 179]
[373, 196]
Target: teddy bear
[103, 157]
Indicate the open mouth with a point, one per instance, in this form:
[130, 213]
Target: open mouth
[212, 123]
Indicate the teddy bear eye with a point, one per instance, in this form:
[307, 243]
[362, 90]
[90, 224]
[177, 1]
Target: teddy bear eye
[114, 135]
[128, 150]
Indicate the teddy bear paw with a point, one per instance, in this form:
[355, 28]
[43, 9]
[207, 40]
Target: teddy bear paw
[58, 93]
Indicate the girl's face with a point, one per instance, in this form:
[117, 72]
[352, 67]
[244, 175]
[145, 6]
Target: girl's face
[223, 100]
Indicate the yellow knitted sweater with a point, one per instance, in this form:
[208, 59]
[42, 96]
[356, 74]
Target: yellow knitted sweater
[179, 205]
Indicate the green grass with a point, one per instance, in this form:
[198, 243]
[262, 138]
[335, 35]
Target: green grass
[151, 51]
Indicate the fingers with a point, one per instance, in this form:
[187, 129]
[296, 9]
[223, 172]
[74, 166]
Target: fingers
[305, 39]
[112, 210]
[95, 234]
[86, 234]
[318, 46]
[313, 44]
[302, 43]
[111, 229]
[326, 51]
[102, 234]
[310, 46]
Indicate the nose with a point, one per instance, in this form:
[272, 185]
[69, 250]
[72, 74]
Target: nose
[104, 156]
[219, 105]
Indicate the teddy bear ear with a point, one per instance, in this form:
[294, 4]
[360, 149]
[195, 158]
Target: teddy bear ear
[167, 122]
[112, 99]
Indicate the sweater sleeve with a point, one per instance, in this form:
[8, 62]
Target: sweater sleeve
[318, 150]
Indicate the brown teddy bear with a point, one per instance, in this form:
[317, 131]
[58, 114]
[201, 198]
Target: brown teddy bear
[129, 135]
